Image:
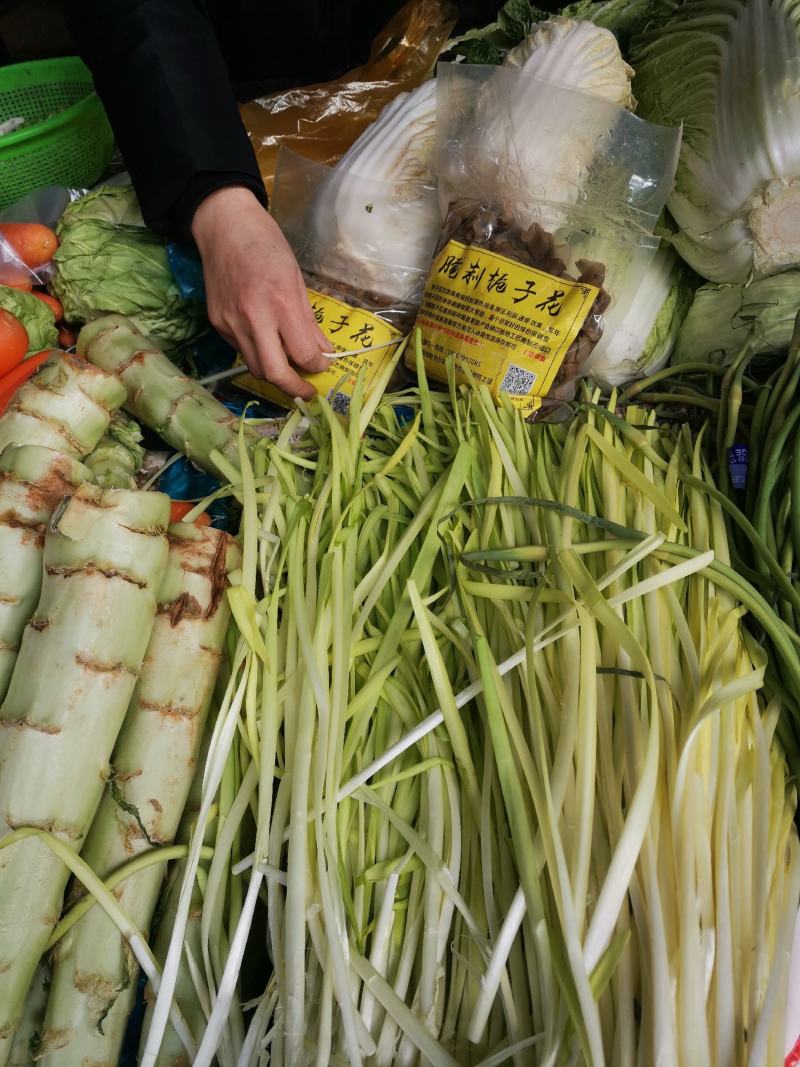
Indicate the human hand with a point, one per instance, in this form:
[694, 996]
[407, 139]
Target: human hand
[256, 295]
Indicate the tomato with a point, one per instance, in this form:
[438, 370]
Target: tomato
[34, 244]
[181, 508]
[52, 303]
[13, 341]
[10, 382]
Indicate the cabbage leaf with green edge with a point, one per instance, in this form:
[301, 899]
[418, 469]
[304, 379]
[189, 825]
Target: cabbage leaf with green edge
[625, 18]
[35, 316]
[490, 44]
[108, 261]
[723, 318]
[729, 72]
[643, 340]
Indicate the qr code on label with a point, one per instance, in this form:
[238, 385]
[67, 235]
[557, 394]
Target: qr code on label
[340, 402]
[517, 381]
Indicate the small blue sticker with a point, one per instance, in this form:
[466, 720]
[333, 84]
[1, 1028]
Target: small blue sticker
[403, 413]
[738, 459]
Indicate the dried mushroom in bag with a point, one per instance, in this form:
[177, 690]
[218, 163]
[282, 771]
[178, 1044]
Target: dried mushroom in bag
[502, 304]
[553, 196]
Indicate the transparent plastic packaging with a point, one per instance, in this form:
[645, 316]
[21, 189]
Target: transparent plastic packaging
[364, 253]
[15, 273]
[44, 206]
[561, 192]
[362, 240]
[320, 122]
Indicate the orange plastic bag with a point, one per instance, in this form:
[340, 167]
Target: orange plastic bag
[320, 122]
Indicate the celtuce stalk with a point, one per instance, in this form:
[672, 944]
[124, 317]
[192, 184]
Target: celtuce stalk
[183, 412]
[94, 974]
[80, 657]
[54, 420]
[33, 480]
[67, 406]
[28, 1037]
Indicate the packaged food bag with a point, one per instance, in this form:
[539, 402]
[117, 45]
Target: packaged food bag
[366, 341]
[552, 197]
[365, 249]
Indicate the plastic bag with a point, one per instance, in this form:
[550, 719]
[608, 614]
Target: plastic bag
[553, 197]
[362, 238]
[187, 270]
[365, 267]
[15, 273]
[321, 121]
[44, 206]
[365, 341]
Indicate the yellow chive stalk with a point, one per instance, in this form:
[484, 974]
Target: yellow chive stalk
[501, 753]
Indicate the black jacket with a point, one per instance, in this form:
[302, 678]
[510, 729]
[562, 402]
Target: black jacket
[170, 71]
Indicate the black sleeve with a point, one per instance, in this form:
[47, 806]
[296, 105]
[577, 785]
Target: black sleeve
[162, 77]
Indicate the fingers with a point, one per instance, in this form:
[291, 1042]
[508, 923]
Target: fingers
[322, 341]
[302, 339]
[302, 346]
[270, 339]
[257, 298]
[266, 358]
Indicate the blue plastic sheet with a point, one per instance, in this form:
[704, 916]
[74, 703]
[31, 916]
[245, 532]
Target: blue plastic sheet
[187, 270]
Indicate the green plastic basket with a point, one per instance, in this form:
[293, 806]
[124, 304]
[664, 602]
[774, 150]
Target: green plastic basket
[67, 139]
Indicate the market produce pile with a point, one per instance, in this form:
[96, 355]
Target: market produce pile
[455, 721]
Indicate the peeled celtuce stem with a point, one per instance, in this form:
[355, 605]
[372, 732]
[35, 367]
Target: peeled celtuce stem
[94, 971]
[67, 405]
[183, 412]
[33, 479]
[29, 1033]
[54, 420]
[80, 657]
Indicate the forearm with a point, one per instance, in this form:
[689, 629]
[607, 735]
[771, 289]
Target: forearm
[159, 71]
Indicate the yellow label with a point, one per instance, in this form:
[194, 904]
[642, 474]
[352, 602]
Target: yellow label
[509, 325]
[347, 328]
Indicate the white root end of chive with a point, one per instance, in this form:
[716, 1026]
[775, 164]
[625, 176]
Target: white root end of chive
[490, 981]
[222, 738]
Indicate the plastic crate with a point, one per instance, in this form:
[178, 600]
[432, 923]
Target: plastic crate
[67, 139]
